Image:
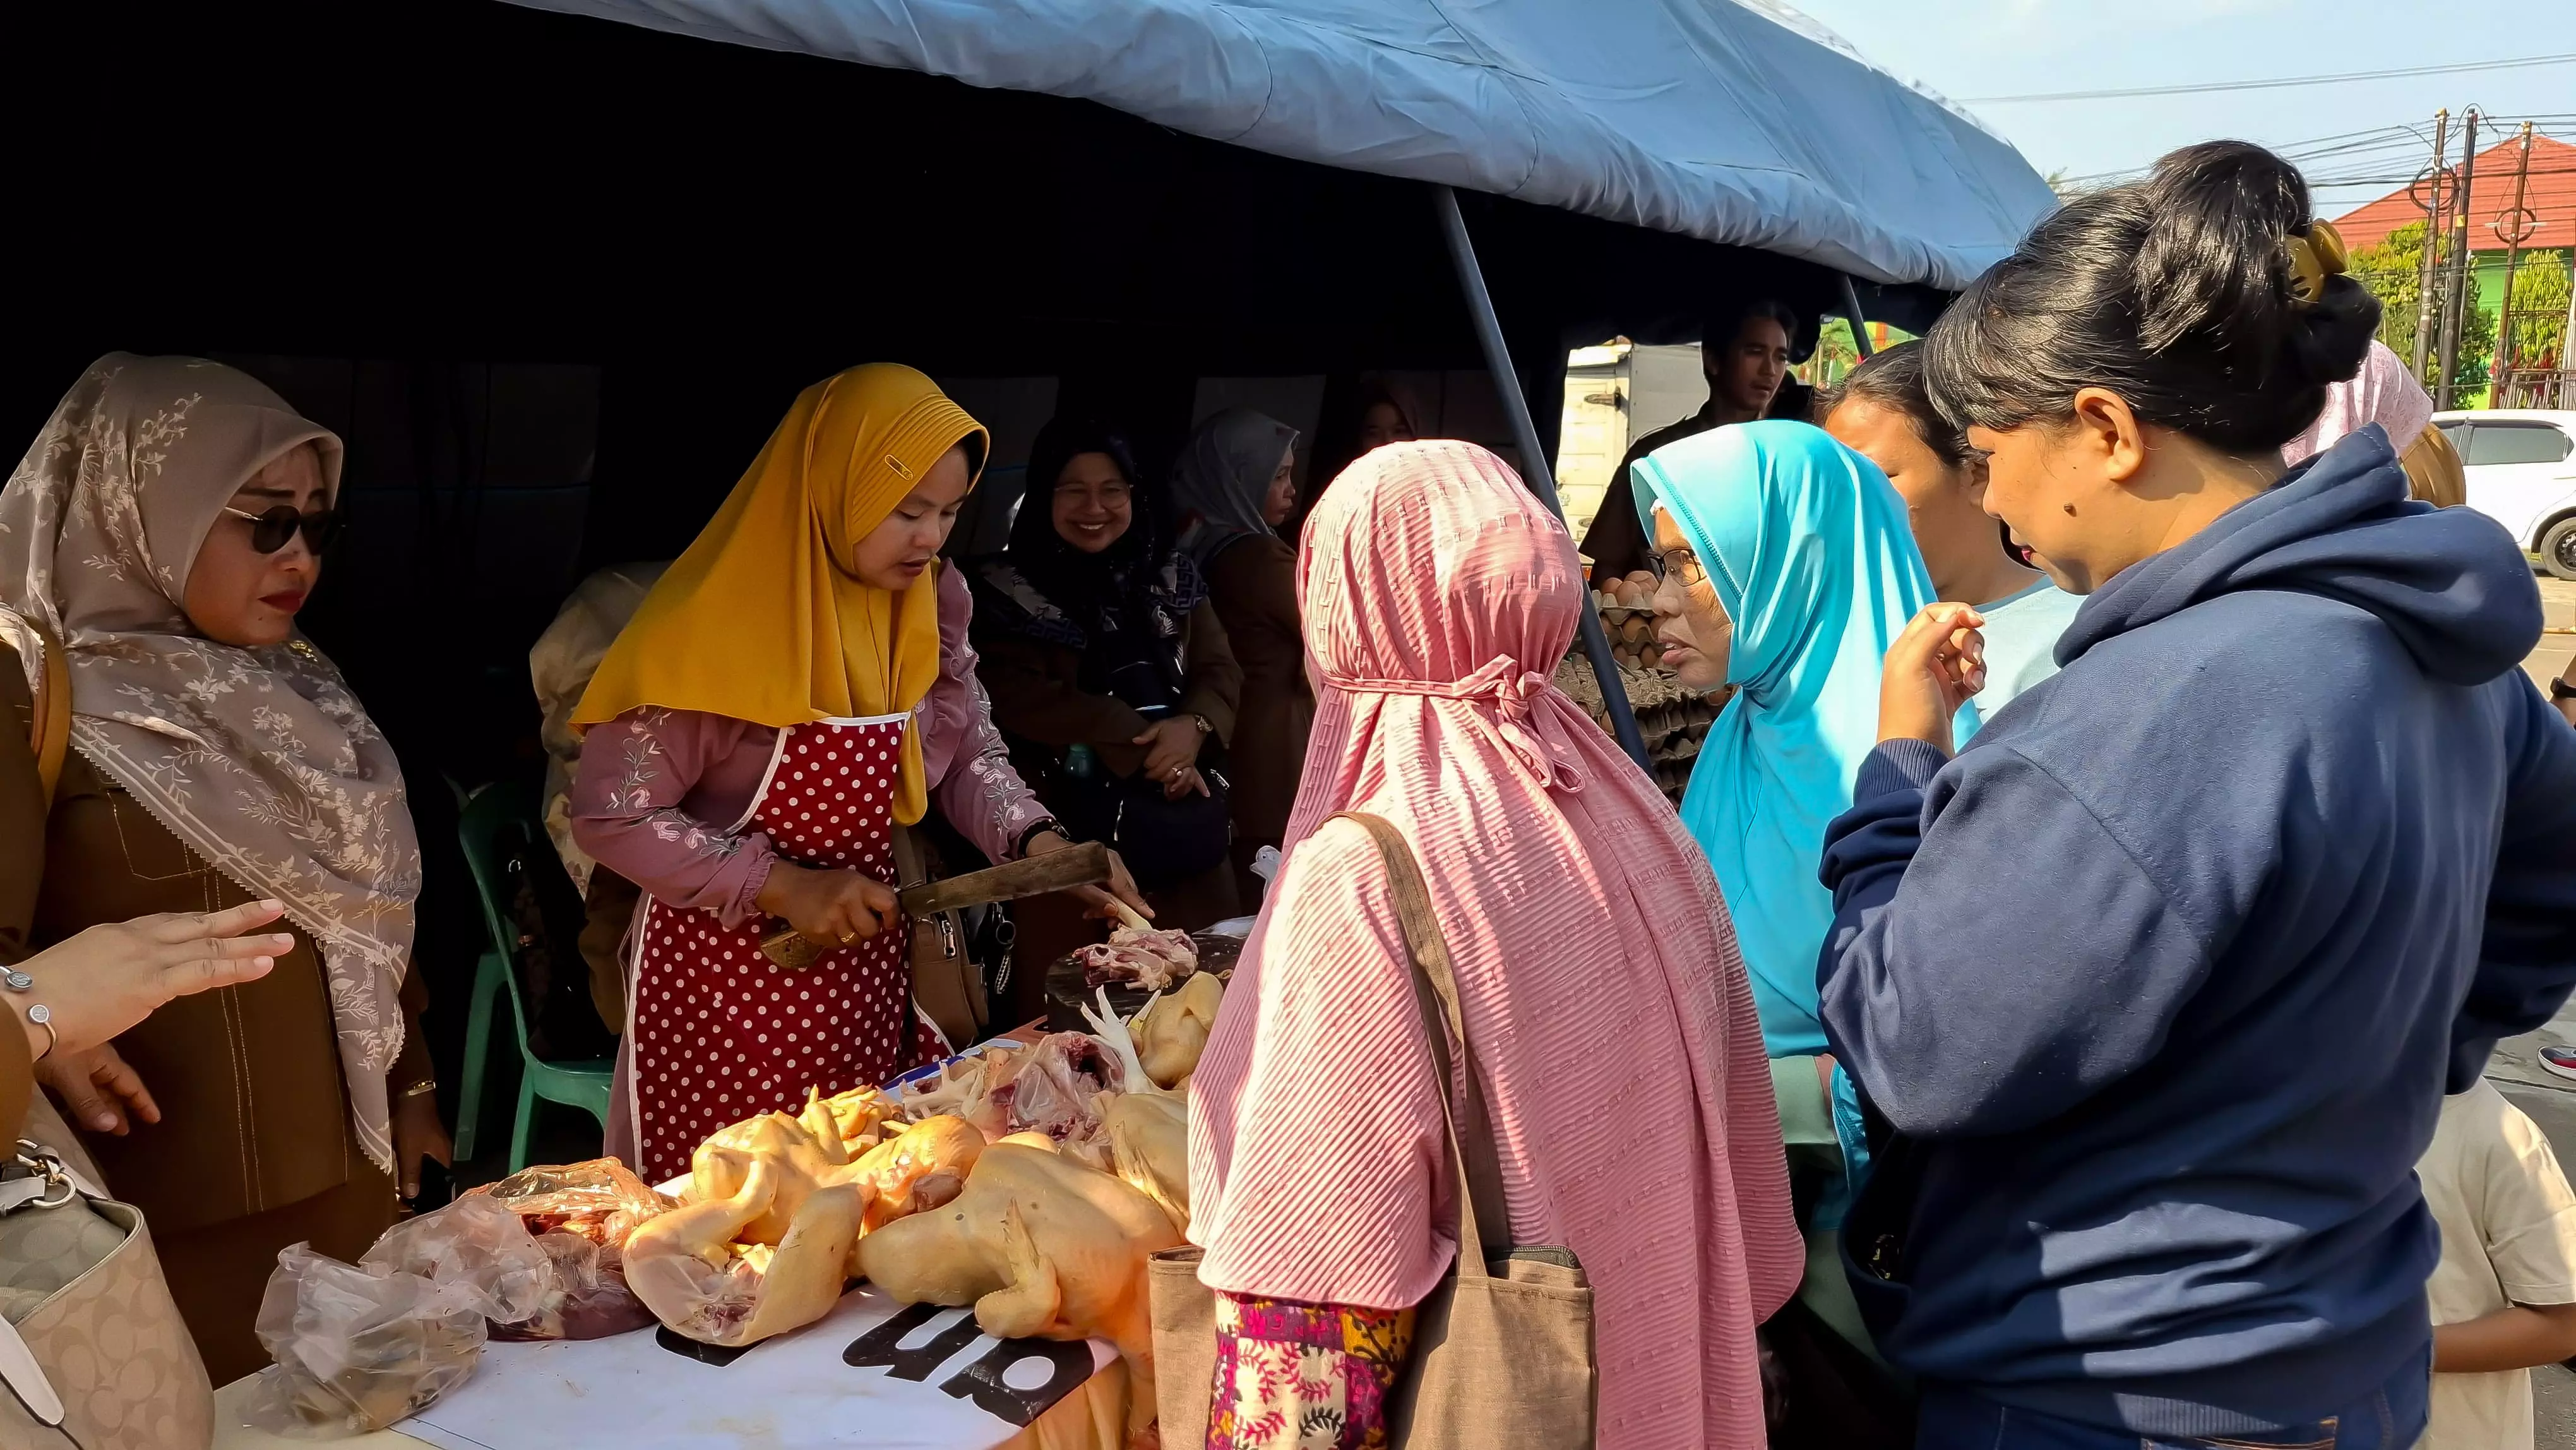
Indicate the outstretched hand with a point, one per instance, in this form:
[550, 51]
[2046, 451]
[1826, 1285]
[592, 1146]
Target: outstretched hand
[1932, 669]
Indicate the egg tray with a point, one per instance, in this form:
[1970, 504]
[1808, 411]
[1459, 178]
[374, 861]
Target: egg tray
[1672, 720]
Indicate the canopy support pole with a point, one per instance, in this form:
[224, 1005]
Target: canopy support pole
[1534, 469]
[1851, 314]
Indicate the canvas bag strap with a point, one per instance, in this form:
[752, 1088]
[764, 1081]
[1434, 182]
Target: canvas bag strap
[1471, 1149]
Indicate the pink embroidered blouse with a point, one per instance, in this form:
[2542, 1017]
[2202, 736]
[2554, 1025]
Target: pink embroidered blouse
[661, 793]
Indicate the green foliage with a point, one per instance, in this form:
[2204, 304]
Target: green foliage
[2540, 310]
[2391, 270]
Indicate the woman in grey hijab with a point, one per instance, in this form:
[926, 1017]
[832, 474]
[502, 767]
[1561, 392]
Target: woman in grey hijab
[1235, 484]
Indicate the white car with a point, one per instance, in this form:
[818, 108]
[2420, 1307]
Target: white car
[2522, 474]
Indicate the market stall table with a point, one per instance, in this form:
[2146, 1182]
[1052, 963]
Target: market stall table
[871, 1373]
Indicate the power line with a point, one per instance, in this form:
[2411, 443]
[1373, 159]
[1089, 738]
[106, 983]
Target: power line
[2516, 63]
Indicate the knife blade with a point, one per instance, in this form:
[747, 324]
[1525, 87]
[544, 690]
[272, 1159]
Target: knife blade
[1083, 865]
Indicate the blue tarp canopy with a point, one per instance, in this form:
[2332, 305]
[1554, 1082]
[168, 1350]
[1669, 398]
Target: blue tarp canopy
[1735, 123]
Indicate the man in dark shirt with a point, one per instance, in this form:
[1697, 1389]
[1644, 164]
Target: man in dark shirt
[1744, 353]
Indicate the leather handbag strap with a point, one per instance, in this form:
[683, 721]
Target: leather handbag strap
[53, 712]
[1471, 1145]
[49, 724]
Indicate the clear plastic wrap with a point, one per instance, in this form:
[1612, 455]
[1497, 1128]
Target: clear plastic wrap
[358, 1350]
[359, 1346]
[590, 1299]
[581, 1214]
[475, 1248]
[601, 1200]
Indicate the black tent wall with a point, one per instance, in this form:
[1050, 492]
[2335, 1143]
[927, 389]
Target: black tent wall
[557, 278]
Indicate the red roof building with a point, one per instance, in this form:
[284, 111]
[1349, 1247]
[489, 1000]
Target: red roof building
[2549, 193]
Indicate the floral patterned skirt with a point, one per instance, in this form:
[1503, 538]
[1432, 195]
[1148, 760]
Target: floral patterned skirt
[1293, 1376]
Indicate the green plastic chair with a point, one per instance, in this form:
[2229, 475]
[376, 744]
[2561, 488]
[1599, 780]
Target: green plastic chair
[499, 829]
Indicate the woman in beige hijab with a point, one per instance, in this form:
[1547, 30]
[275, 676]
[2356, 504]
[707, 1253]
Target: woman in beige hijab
[161, 534]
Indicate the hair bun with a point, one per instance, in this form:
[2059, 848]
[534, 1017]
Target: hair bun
[2327, 340]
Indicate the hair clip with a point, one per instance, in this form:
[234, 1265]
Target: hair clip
[2314, 255]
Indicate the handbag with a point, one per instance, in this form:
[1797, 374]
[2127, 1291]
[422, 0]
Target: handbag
[91, 1345]
[1502, 1348]
[947, 987]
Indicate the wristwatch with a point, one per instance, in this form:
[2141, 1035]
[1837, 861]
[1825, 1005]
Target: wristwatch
[1201, 721]
[1021, 847]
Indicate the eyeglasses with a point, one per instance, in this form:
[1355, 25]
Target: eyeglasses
[1684, 567]
[270, 531]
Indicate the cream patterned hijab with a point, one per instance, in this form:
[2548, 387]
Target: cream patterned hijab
[261, 760]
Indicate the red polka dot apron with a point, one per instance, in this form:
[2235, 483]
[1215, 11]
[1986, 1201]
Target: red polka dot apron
[720, 1032]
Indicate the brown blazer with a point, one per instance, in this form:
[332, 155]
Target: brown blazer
[1036, 696]
[1252, 584]
[254, 1113]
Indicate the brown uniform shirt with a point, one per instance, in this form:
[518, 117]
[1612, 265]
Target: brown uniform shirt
[248, 1079]
[1253, 585]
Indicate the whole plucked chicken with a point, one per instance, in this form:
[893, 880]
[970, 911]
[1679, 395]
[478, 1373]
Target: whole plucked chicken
[1043, 1247]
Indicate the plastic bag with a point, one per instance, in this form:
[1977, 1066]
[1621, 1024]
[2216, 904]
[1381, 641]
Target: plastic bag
[476, 1249]
[356, 1350]
[590, 1299]
[601, 1200]
[360, 1346]
[581, 1214]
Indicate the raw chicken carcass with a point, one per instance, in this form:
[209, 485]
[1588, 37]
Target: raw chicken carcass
[923, 1166]
[693, 1268]
[1043, 1247]
[1172, 1030]
[798, 1163]
[1047, 1088]
[1151, 959]
[1149, 1147]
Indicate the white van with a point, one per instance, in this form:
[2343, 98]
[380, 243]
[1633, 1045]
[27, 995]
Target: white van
[2522, 473]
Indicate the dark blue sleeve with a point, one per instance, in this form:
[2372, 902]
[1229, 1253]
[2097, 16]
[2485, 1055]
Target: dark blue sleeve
[1996, 955]
[2527, 960]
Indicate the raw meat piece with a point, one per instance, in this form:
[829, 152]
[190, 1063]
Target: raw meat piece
[1048, 1087]
[1152, 960]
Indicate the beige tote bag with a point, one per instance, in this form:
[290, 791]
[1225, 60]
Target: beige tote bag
[1502, 1348]
[92, 1350]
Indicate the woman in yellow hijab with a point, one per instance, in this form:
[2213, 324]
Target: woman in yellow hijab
[796, 686]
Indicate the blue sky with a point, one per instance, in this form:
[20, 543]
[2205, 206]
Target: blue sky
[1972, 48]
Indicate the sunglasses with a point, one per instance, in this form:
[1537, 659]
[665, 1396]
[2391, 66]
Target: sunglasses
[270, 531]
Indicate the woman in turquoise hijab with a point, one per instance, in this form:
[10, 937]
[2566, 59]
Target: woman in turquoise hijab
[1788, 569]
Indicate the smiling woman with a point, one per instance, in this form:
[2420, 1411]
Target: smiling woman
[1112, 676]
[293, 1107]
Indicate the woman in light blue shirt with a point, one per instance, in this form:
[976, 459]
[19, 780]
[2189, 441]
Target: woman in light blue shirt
[1883, 412]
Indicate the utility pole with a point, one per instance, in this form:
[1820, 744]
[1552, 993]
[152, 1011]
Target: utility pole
[2455, 308]
[2511, 227]
[2426, 274]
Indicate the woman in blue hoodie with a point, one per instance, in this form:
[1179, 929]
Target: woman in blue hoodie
[2158, 984]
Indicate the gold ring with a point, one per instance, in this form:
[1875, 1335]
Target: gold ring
[848, 937]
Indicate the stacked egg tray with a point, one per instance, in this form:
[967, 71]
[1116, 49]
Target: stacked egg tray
[1673, 720]
[1629, 620]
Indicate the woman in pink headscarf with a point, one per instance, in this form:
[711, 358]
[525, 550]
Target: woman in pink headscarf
[1613, 1031]
[2385, 392]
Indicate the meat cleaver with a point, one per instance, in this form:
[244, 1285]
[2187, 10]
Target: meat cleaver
[1083, 865]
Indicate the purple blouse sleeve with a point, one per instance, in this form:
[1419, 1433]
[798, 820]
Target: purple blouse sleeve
[626, 811]
[977, 789]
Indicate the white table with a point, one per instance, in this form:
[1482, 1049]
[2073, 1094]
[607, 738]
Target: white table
[869, 1373]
